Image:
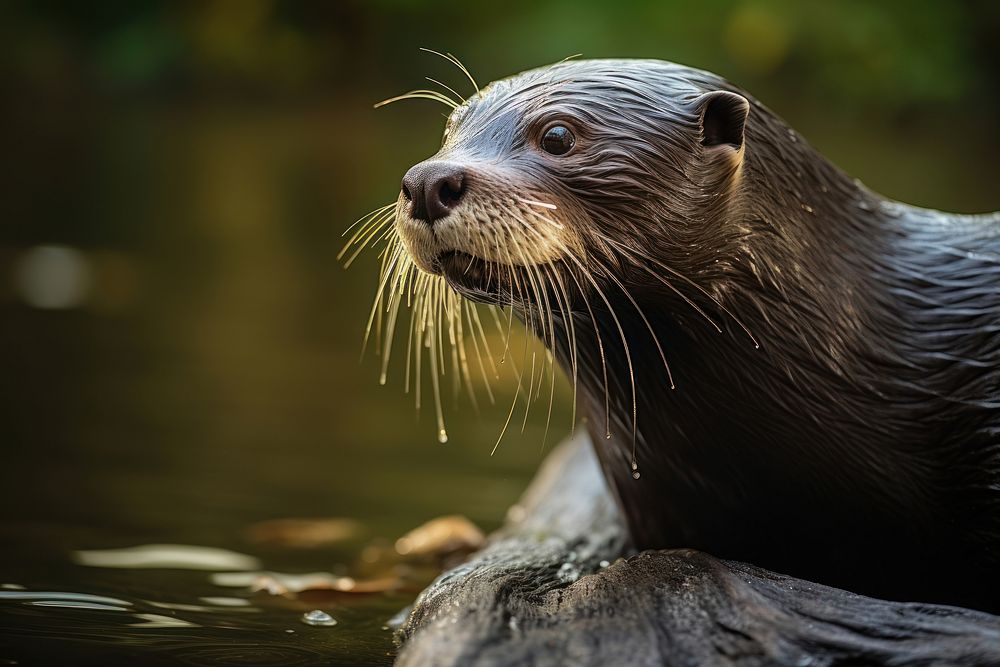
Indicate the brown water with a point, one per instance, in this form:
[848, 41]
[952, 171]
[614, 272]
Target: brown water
[208, 379]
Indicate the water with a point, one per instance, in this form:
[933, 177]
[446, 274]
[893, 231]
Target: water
[120, 436]
[136, 481]
[65, 628]
[179, 362]
[318, 617]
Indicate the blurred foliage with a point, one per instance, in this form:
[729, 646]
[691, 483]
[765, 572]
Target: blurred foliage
[895, 72]
[892, 55]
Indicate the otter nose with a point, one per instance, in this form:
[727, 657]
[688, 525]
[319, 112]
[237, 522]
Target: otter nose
[433, 189]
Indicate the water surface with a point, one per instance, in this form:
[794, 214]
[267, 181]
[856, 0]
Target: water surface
[202, 377]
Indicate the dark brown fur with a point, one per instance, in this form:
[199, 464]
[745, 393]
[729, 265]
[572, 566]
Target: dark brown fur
[859, 446]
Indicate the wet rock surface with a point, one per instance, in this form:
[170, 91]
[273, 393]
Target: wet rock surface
[550, 589]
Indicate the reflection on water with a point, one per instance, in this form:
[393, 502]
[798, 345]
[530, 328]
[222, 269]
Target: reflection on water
[184, 376]
[248, 617]
[66, 600]
[98, 629]
[167, 556]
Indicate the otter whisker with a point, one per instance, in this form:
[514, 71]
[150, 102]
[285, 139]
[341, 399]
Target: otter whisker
[701, 289]
[600, 343]
[656, 340]
[500, 328]
[439, 302]
[621, 334]
[539, 300]
[510, 414]
[551, 207]
[474, 315]
[461, 98]
[375, 221]
[514, 281]
[601, 353]
[517, 374]
[531, 375]
[420, 94]
[545, 315]
[434, 359]
[392, 308]
[386, 273]
[397, 266]
[546, 205]
[473, 312]
[545, 320]
[564, 305]
[459, 359]
[510, 316]
[545, 286]
[419, 317]
[570, 332]
[663, 280]
[628, 353]
[376, 233]
[552, 367]
[548, 220]
[409, 338]
[479, 355]
[531, 384]
[599, 339]
[455, 61]
[365, 218]
[530, 276]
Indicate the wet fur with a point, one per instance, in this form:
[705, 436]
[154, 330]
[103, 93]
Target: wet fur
[859, 445]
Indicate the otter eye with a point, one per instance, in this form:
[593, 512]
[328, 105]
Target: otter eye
[558, 140]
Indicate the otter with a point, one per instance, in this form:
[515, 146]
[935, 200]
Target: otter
[775, 364]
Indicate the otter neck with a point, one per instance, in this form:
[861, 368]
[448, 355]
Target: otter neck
[722, 465]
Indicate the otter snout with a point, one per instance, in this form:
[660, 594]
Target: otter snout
[433, 188]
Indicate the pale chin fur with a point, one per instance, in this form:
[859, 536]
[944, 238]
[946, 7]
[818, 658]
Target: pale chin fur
[501, 237]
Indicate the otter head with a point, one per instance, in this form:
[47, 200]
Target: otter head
[571, 194]
[598, 168]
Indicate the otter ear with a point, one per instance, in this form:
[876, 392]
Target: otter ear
[723, 117]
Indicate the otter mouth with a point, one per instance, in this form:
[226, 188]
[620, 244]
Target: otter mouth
[485, 281]
[469, 275]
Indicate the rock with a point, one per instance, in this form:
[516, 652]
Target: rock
[542, 593]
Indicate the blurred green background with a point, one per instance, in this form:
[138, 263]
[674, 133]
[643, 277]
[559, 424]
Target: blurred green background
[178, 345]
